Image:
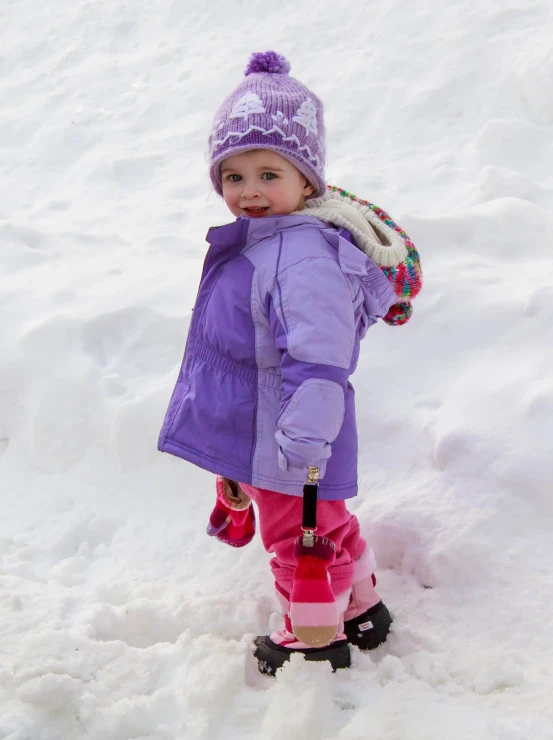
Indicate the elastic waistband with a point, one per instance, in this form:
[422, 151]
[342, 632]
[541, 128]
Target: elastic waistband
[253, 375]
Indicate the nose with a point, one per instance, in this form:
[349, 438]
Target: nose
[250, 189]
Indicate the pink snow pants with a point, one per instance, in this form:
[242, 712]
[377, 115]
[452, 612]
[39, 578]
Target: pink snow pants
[352, 570]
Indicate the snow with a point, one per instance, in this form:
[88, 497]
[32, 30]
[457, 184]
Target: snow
[119, 618]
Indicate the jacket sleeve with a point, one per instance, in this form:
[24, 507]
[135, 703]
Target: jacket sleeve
[312, 321]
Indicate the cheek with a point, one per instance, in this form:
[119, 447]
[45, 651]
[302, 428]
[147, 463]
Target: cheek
[286, 194]
[229, 196]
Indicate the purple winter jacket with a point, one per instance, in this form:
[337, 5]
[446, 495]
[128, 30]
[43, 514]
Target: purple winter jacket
[263, 389]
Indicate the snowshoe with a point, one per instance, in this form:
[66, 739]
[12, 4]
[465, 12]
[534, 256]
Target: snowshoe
[271, 656]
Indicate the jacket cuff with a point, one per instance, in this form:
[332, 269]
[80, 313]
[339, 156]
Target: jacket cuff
[290, 461]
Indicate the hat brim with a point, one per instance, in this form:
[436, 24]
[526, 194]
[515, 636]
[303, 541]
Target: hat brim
[312, 177]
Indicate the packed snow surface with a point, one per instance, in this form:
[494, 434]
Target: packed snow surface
[119, 618]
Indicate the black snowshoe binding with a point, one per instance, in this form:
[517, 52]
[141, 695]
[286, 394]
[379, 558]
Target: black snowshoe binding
[370, 629]
[271, 656]
[367, 631]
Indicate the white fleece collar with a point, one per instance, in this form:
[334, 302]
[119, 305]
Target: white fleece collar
[376, 239]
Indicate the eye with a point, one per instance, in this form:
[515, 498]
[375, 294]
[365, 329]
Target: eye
[268, 176]
[234, 178]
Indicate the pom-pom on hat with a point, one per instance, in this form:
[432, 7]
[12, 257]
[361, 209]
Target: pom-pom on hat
[270, 110]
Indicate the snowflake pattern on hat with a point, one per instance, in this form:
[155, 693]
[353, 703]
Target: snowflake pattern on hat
[246, 106]
[306, 116]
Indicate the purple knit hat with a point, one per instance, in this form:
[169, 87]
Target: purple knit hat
[271, 110]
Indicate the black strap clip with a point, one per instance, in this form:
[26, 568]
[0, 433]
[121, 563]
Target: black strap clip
[309, 519]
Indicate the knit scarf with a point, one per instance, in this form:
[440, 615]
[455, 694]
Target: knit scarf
[380, 238]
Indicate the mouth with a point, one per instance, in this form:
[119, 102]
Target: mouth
[256, 212]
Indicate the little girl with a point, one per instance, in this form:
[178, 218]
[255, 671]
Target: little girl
[287, 293]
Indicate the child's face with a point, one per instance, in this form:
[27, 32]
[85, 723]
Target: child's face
[262, 183]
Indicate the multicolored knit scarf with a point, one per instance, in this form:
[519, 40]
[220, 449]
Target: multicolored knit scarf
[395, 254]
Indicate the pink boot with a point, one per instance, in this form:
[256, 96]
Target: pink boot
[367, 619]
